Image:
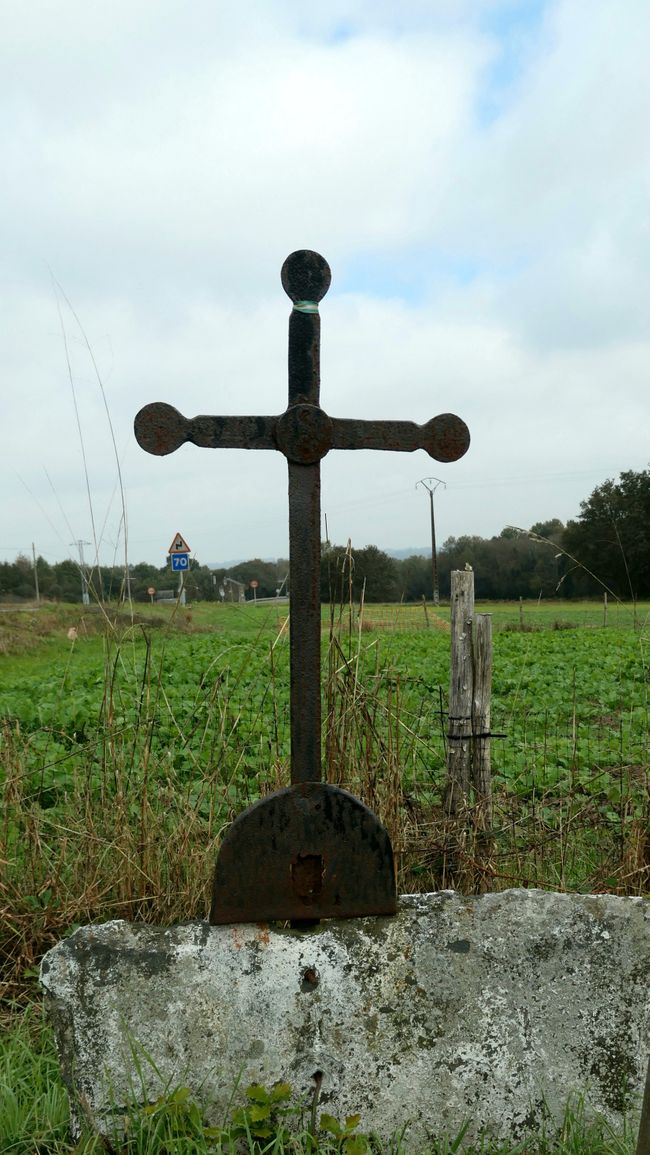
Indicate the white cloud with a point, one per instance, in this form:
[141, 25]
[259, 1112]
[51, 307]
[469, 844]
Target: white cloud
[163, 160]
[563, 179]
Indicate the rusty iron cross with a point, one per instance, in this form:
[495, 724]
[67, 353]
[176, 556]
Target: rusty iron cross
[312, 850]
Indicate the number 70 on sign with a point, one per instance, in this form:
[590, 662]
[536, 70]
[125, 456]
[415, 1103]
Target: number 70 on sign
[179, 552]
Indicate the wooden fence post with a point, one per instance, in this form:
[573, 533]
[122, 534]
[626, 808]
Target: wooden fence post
[459, 747]
[482, 690]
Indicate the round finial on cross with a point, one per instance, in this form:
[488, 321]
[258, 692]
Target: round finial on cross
[306, 276]
[160, 429]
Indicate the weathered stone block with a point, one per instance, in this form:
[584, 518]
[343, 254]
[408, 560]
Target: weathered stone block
[493, 1009]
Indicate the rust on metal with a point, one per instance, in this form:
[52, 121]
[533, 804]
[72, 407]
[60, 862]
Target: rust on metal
[312, 850]
[161, 429]
[309, 851]
[303, 433]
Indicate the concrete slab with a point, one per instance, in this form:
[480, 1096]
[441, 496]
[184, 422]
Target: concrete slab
[492, 1010]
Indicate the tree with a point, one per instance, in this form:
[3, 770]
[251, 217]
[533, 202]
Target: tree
[369, 573]
[552, 530]
[511, 565]
[45, 576]
[143, 577]
[610, 539]
[378, 572]
[67, 581]
[264, 572]
[414, 578]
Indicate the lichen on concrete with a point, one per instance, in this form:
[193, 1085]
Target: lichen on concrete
[490, 1009]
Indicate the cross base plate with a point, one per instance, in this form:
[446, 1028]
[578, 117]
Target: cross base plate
[308, 852]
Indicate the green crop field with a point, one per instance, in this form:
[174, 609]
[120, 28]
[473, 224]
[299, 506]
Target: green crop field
[192, 706]
[128, 742]
[206, 691]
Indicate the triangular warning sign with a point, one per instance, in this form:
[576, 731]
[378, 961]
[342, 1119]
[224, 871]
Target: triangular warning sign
[179, 545]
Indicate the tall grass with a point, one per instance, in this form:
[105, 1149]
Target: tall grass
[121, 815]
[103, 820]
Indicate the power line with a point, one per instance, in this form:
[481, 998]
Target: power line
[426, 482]
[85, 596]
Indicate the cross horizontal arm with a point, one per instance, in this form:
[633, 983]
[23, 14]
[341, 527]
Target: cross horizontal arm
[161, 429]
[446, 437]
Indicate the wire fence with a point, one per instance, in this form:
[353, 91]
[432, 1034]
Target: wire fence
[525, 615]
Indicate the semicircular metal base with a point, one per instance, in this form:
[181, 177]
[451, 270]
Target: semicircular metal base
[308, 852]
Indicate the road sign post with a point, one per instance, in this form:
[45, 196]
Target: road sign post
[179, 552]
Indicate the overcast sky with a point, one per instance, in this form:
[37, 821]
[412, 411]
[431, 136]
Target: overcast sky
[477, 174]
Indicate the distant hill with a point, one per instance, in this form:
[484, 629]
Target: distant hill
[410, 551]
[400, 554]
[235, 561]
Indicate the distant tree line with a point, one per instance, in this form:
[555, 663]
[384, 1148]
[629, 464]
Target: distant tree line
[512, 565]
[64, 581]
[607, 547]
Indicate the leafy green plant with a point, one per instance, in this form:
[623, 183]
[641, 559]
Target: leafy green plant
[346, 1136]
[265, 1115]
[270, 1120]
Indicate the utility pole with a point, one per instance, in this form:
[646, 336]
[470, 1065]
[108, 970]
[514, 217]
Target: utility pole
[38, 596]
[85, 596]
[428, 483]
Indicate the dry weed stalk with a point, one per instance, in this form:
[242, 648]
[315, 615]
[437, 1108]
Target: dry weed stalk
[131, 837]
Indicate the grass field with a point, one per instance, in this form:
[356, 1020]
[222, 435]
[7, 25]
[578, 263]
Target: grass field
[128, 742]
[122, 735]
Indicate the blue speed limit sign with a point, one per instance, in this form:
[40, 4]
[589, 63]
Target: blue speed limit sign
[180, 562]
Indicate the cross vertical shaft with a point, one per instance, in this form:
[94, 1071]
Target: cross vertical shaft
[310, 850]
[305, 283]
[304, 644]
